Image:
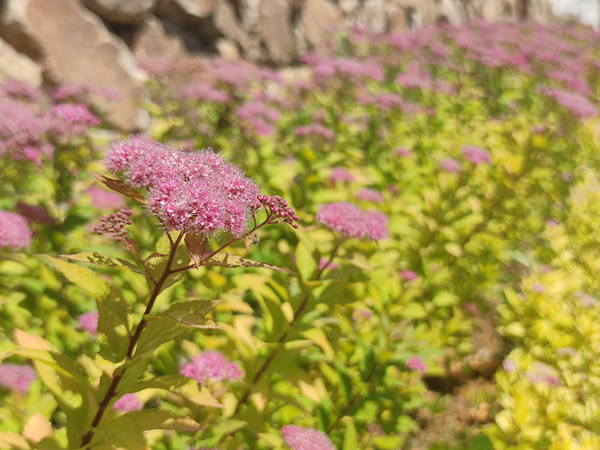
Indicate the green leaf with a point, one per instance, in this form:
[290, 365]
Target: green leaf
[134, 370]
[164, 420]
[345, 380]
[157, 262]
[367, 362]
[225, 259]
[113, 328]
[121, 433]
[120, 187]
[103, 260]
[196, 244]
[85, 278]
[480, 442]
[350, 436]
[182, 386]
[192, 313]
[307, 261]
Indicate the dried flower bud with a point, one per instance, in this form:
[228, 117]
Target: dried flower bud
[114, 224]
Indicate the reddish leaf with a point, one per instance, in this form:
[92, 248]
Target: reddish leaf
[196, 244]
[120, 187]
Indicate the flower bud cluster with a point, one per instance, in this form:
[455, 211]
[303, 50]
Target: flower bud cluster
[211, 365]
[14, 231]
[114, 224]
[350, 220]
[299, 438]
[277, 208]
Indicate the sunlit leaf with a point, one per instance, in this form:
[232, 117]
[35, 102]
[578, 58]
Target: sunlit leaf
[102, 260]
[196, 244]
[182, 386]
[224, 259]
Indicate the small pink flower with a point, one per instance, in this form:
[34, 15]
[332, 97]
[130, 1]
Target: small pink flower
[476, 155]
[211, 365]
[72, 119]
[331, 266]
[403, 152]
[205, 92]
[509, 365]
[104, 199]
[369, 195]
[408, 275]
[14, 231]
[299, 438]
[416, 363]
[350, 220]
[89, 322]
[339, 174]
[127, 403]
[16, 377]
[450, 165]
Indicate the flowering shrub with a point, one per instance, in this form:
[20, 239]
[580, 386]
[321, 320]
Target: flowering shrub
[439, 177]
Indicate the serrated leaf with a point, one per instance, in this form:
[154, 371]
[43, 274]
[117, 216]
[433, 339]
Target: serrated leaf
[225, 259]
[85, 278]
[103, 260]
[113, 329]
[192, 313]
[134, 370]
[120, 187]
[121, 433]
[182, 386]
[37, 428]
[32, 341]
[163, 420]
[306, 261]
[196, 245]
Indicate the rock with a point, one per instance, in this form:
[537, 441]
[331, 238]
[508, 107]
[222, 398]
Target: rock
[130, 12]
[153, 41]
[492, 9]
[185, 12]
[16, 65]
[273, 25]
[226, 21]
[319, 17]
[227, 49]
[73, 46]
[376, 15]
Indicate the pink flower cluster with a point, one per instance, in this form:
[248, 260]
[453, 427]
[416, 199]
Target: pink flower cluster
[114, 224]
[192, 191]
[450, 165]
[89, 322]
[14, 231]
[578, 104]
[299, 438]
[205, 92]
[18, 90]
[416, 363]
[21, 133]
[128, 402]
[369, 195]
[340, 174]
[73, 119]
[16, 377]
[350, 220]
[476, 155]
[316, 130]
[104, 199]
[211, 365]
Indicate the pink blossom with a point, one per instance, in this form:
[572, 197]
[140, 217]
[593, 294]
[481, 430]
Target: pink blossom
[340, 174]
[369, 195]
[127, 403]
[509, 365]
[192, 191]
[16, 377]
[104, 199]
[258, 109]
[299, 438]
[476, 155]
[409, 275]
[72, 119]
[315, 129]
[14, 231]
[211, 365]
[450, 165]
[402, 152]
[114, 224]
[89, 322]
[34, 213]
[579, 105]
[538, 287]
[205, 92]
[19, 90]
[416, 363]
[21, 133]
[80, 92]
[350, 220]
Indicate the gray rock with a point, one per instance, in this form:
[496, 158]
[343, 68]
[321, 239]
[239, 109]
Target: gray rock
[73, 46]
[128, 12]
[185, 12]
[319, 18]
[16, 65]
[273, 26]
[153, 41]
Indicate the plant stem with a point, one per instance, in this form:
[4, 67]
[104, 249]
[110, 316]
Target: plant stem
[112, 389]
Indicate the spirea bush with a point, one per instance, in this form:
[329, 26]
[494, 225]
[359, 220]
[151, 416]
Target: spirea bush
[427, 179]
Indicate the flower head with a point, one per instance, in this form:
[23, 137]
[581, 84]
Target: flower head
[340, 174]
[14, 232]
[476, 155]
[299, 438]
[16, 377]
[369, 195]
[192, 191]
[416, 363]
[71, 118]
[408, 275]
[128, 402]
[211, 365]
[89, 322]
[450, 165]
[350, 220]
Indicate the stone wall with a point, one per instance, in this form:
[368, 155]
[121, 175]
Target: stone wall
[101, 41]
